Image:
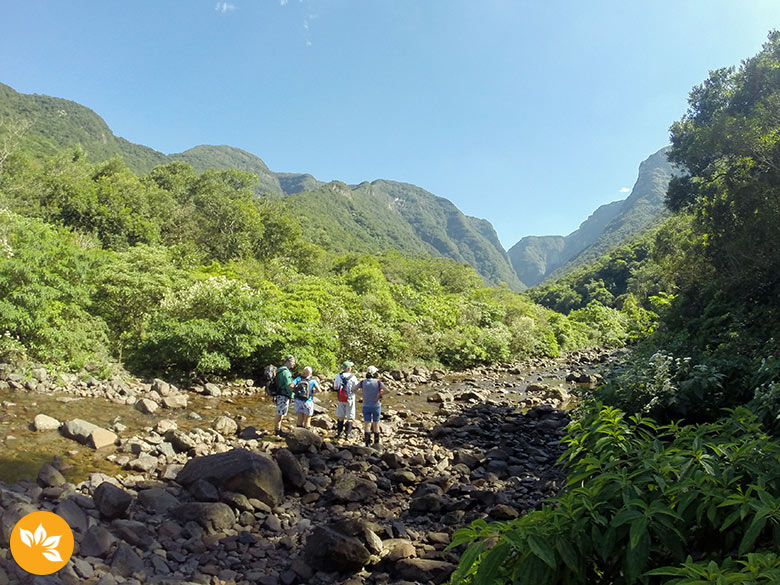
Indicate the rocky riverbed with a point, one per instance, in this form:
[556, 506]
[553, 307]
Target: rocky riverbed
[168, 485]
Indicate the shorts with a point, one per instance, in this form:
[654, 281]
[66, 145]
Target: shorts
[346, 410]
[372, 413]
[282, 405]
[305, 407]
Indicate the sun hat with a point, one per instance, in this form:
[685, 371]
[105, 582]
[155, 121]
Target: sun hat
[372, 370]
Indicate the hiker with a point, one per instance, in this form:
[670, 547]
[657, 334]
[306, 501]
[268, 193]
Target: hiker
[372, 388]
[284, 391]
[345, 384]
[305, 387]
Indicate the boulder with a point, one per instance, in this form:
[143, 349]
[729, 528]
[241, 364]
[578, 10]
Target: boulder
[96, 542]
[175, 401]
[157, 499]
[146, 406]
[423, 570]
[292, 470]
[212, 390]
[352, 488]
[43, 422]
[111, 501]
[88, 433]
[329, 550]
[300, 440]
[48, 476]
[225, 426]
[255, 475]
[126, 561]
[213, 516]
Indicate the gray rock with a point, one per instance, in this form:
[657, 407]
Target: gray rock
[329, 550]
[292, 470]
[96, 542]
[214, 517]
[225, 426]
[13, 513]
[111, 501]
[133, 532]
[422, 570]
[157, 499]
[300, 440]
[126, 561]
[48, 476]
[144, 463]
[146, 406]
[73, 514]
[255, 475]
[212, 390]
[352, 488]
[175, 401]
[204, 491]
[88, 433]
[43, 422]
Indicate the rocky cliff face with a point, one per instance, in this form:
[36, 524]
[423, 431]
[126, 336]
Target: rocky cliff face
[536, 258]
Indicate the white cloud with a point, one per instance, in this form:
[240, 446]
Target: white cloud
[625, 190]
[283, 2]
[224, 7]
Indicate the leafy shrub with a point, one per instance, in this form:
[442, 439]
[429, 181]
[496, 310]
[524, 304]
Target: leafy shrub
[638, 496]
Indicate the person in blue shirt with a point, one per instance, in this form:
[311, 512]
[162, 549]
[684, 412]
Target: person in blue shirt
[305, 388]
[372, 388]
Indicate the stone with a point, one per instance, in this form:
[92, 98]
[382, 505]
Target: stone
[213, 516]
[422, 570]
[96, 542]
[399, 548]
[111, 501]
[12, 514]
[161, 387]
[157, 499]
[133, 532]
[204, 491]
[352, 488]
[88, 433]
[292, 470]
[144, 463]
[175, 401]
[212, 390]
[330, 550]
[225, 426]
[256, 475]
[73, 514]
[300, 440]
[126, 561]
[43, 422]
[146, 406]
[165, 425]
[49, 476]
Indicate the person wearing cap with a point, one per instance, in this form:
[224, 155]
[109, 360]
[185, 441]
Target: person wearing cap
[372, 388]
[284, 392]
[345, 384]
[304, 407]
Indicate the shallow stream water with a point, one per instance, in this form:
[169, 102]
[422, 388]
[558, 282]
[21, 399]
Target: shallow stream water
[24, 450]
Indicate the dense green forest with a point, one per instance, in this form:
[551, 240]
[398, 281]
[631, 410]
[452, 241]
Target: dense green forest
[673, 466]
[182, 272]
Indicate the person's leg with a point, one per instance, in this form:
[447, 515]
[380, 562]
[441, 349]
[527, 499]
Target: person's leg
[350, 418]
[366, 426]
[282, 407]
[340, 413]
[375, 423]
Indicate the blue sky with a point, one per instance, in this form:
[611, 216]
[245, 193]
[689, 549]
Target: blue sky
[528, 113]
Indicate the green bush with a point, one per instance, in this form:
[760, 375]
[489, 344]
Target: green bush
[637, 497]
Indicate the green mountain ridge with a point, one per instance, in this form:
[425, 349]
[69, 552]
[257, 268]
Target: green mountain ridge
[539, 258]
[369, 218]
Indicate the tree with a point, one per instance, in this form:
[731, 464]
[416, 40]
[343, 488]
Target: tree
[729, 144]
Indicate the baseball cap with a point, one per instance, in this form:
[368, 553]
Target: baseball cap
[346, 365]
[372, 370]
[289, 357]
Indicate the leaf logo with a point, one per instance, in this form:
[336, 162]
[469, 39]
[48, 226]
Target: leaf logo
[42, 543]
[40, 539]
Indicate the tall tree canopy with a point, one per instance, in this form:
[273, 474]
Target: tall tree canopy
[729, 143]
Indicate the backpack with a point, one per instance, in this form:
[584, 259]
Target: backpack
[343, 387]
[301, 390]
[268, 379]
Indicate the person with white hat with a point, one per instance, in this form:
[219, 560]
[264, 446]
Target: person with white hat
[345, 384]
[372, 388]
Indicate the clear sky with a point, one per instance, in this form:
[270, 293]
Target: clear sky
[528, 113]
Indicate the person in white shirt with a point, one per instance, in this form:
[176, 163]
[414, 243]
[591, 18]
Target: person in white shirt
[344, 384]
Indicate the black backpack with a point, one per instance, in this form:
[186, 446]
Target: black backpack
[269, 381]
[301, 390]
